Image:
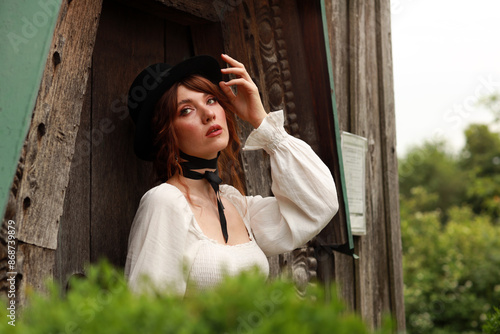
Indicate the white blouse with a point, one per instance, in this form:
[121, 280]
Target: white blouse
[167, 245]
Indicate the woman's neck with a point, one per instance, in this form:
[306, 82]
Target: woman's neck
[194, 187]
[194, 179]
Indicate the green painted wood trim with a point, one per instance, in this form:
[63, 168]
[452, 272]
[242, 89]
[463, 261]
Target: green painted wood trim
[26, 30]
[350, 249]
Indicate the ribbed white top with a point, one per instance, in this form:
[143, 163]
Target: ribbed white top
[214, 260]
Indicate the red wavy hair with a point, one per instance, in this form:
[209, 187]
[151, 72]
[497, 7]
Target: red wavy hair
[166, 163]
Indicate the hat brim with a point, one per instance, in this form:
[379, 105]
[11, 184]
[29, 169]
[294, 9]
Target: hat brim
[150, 85]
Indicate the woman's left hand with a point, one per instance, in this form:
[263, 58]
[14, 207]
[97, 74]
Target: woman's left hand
[247, 103]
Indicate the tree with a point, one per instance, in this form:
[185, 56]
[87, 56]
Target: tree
[480, 158]
[451, 271]
[433, 169]
[450, 209]
[492, 103]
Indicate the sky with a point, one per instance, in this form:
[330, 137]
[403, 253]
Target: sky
[446, 54]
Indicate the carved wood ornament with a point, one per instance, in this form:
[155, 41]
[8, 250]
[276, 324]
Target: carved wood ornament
[268, 42]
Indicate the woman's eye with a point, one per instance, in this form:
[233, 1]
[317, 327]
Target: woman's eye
[185, 111]
[211, 100]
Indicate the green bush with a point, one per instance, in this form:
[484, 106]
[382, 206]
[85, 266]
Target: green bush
[451, 271]
[450, 228]
[492, 325]
[102, 303]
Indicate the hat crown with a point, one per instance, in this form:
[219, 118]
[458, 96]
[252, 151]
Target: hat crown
[145, 87]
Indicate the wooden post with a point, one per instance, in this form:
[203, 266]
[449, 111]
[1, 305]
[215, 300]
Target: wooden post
[361, 53]
[390, 160]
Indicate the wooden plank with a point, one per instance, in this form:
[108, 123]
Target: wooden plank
[338, 24]
[10, 212]
[212, 10]
[73, 245]
[207, 39]
[358, 113]
[381, 300]
[319, 81]
[390, 160]
[301, 120]
[36, 265]
[51, 138]
[185, 12]
[338, 31]
[299, 102]
[127, 42]
[178, 45]
[373, 278]
[240, 31]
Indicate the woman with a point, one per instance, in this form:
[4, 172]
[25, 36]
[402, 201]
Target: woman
[188, 230]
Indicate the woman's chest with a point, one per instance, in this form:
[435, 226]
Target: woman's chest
[207, 218]
[214, 261]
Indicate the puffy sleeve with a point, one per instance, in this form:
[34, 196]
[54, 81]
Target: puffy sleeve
[305, 197]
[157, 241]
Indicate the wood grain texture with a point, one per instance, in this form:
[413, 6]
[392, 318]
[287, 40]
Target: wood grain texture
[376, 270]
[364, 92]
[52, 135]
[184, 12]
[300, 111]
[337, 13]
[73, 246]
[178, 44]
[211, 10]
[319, 82]
[127, 42]
[390, 160]
[207, 40]
[357, 91]
[35, 265]
[240, 31]
[338, 30]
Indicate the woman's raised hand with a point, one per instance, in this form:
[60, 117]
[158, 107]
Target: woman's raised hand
[247, 103]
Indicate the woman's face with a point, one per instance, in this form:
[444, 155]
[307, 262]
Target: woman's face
[200, 124]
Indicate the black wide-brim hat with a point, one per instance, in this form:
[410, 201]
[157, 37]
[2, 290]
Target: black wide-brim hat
[150, 85]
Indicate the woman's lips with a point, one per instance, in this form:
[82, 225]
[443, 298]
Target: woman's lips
[214, 131]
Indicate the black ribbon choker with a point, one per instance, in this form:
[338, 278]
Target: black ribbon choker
[213, 178]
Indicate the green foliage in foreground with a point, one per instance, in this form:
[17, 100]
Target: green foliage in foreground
[102, 303]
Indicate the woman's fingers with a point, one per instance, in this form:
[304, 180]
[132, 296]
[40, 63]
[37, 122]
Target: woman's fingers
[227, 90]
[247, 103]
[239, 82]
[231, 61]
[237, 68]
[238, 71]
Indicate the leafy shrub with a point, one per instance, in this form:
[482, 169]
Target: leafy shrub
[492, 326]
[102, 303]
[451, 271]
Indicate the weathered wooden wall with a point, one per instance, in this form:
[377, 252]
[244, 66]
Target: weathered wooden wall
[281, 42]
[107, 179]
[39, 188]
[360, 43]
[272, 38]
